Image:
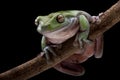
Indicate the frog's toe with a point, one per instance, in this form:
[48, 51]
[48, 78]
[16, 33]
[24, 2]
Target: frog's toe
[81, 44]
[70, 69]
[87, 41]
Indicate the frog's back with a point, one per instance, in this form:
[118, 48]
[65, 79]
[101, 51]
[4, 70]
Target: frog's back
[73, 12]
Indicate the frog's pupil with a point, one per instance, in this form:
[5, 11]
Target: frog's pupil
[60, 18]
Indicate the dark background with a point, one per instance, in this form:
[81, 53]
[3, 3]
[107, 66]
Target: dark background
[20, 41]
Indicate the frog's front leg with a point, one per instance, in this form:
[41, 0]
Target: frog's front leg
[47, 48]
[84, 31]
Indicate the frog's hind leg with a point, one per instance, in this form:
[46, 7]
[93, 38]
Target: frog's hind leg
[99, 47]
[70, 68]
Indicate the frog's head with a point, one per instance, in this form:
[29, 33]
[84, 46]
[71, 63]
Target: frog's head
[55, 21]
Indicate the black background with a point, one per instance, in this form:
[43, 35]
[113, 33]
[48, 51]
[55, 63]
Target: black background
[20, 41]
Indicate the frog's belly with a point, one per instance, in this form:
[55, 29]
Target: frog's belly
[60, 36]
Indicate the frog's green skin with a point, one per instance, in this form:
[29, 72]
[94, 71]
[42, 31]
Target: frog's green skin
[55, 31]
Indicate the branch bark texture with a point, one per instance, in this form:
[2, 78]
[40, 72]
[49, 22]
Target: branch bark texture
[109, 18]
[38, 64]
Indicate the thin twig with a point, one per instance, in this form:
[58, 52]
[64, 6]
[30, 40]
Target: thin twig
[39, 64]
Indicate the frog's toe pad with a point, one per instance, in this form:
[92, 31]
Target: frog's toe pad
[96, 19]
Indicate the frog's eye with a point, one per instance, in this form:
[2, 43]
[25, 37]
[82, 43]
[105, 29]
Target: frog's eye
[60, 18]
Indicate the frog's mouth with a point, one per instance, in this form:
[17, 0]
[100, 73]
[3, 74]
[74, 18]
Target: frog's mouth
[64, 33]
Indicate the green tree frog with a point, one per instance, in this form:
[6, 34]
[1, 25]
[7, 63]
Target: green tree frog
[60, 26]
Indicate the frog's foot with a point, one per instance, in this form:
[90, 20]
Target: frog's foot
[87, 41]
[47, 50]
[70, 69]
[96, 19]
[81, 41]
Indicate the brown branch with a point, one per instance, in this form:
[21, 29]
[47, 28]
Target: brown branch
[38, 64]
[108, 19]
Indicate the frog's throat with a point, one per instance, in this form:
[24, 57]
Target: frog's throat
[64, 33]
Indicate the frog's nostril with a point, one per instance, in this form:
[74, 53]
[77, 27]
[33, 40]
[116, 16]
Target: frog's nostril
[40, 25]
[36, 23]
